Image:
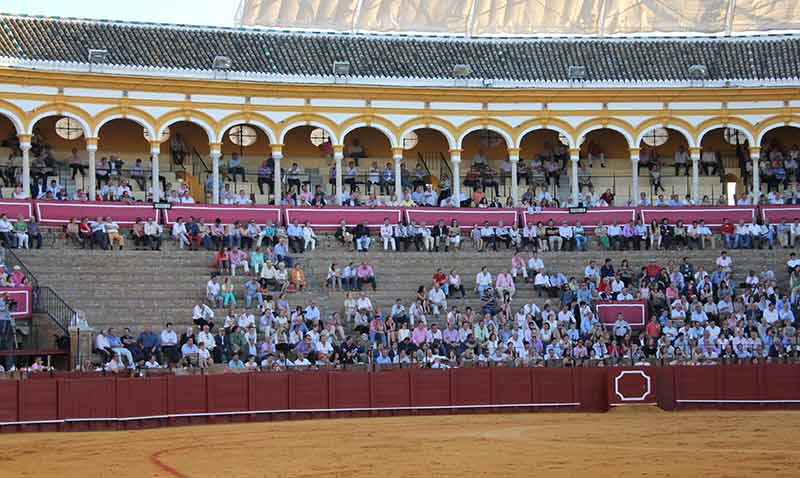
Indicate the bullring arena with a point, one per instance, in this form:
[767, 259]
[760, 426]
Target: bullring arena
[388, 238]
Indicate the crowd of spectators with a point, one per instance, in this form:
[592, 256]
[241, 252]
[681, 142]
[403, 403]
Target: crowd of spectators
[695, 316]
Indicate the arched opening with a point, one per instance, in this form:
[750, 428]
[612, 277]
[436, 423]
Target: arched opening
[780, 155]
[664, 159]
[426, 161]
[184, 163]
[246, 165]
[724, 153]
[486, 163]
[605, 161]
[53, 140]
[368, 161]
[122, 160]
[9, 154]
[308, 160]
[544, 157]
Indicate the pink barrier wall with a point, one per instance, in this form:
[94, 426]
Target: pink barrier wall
[467, 218]
[24, 299]
[96, 401]
[588, 220]
[58, 213]
[633, 311]
[775, 214]
[13, 208]
[713, 216]
[226, 214]
[328, 218]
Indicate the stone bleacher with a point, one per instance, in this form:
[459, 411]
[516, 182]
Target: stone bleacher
[133, 288]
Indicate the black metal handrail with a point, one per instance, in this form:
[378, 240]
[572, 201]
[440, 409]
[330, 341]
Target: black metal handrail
[44, 299]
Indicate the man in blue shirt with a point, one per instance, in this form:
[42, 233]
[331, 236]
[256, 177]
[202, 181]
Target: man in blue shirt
[295, 233]
[235, 167]
[281, 252]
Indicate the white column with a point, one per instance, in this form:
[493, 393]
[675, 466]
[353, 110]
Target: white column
[513, 157]
[278, 180]
[455, 161]
[574, 158]
[215, 155]
[397, 155]
[635, 175]
[695, 157]
[25, 146]
[156, 186]
[338, 156]
[91, 151]
[755, 155]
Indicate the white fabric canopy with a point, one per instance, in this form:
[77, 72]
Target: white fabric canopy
[524, 17]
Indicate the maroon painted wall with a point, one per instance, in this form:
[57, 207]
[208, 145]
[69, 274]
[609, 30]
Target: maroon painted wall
[77, 401]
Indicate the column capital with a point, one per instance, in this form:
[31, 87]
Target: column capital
[397, 153]
[215, 149]
[91, 143]
[277, 151]
[24, 138]
[455, 155]
[755, 151]
[695, 152]
[155, 147]
[513, 152]
[574, 153]
[634, 152]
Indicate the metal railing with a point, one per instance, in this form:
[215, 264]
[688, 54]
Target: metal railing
[44, 299]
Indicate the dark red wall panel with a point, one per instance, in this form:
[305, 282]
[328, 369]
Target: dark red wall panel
[349, 390]
[142, 398]
[471, 386]
[38, 400]
[8, 400]
[696, 383]
[590, 383]
[430, 388]
[780, 382]
[739, 382]
[308, 390]
[511, 385]
[552, 385]
[227, 392]
[187, 394]
[391, 389]
[88, 398]
[269, 391]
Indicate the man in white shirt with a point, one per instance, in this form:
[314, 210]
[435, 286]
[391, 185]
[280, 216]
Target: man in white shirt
[206, 337]
[437, 299]
[152, 232]
[212, 291]
[724, 261]
[535, 264]
[614, 235]
[566, 233]
[387, 235]
[483, 279]
[169, 342]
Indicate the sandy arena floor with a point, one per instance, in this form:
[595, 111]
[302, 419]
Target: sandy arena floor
[631, 442]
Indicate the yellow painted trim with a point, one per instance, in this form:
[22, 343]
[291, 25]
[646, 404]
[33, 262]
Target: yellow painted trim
[58, 108]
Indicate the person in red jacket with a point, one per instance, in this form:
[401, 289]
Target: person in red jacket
[726, 230]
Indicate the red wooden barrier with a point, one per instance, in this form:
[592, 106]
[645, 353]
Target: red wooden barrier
[226, 213]
[777, 213]
[106, 402]
[633, 311]
[712, 215]
[13, 208]
[329, 218]
[58, 213]
[589, 220]
[466, 217]
[24, 298]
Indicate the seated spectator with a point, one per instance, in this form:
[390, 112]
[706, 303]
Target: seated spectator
[365, 274]
[298, 277]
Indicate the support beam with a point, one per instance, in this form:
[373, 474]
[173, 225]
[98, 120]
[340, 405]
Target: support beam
[25, 146]
[755, 155]
[694, 154]
[215, 153]
[574, 158]
[397, 155]
[91, 150]
[513, 157]
[277, 155]
[155, 149]
[455, 162]
[338, 156]
[634, 152]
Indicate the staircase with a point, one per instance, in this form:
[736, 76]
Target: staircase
[133, 288]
